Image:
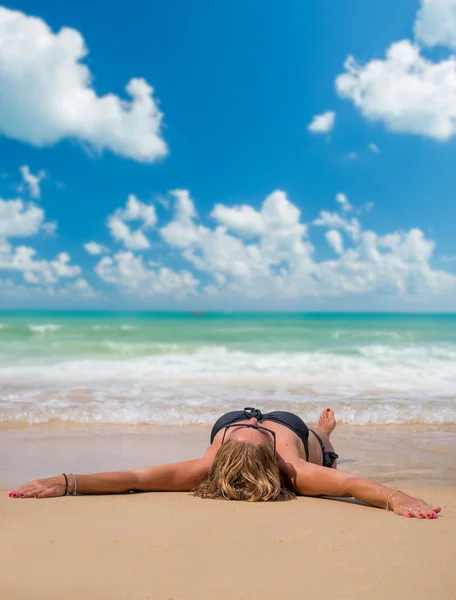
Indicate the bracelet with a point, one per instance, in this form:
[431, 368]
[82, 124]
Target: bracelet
[73, 493]
[389, 498]
[66, 485]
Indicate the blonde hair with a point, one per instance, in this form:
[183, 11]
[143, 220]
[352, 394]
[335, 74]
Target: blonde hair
[244, 471]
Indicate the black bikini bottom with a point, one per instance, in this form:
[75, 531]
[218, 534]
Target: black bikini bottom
[288, 419]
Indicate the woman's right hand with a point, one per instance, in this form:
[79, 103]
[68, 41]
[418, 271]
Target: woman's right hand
[408, 506]
[41, 488]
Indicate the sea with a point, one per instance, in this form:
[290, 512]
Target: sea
[158, 368]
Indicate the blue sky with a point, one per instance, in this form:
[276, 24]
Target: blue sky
[238, 88]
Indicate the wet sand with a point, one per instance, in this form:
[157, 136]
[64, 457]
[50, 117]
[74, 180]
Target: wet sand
[421, 455]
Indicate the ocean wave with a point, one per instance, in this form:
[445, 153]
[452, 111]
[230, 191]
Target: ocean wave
[375, 367]
[165, 409]
[44, 328]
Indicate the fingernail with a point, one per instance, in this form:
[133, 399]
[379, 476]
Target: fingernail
[21, 495]
[420, 515]
[10, 494]
[409, 514]
[328, 410]
[429, 516]
[14, 495]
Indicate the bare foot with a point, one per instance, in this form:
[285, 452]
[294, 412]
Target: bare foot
[327, 421]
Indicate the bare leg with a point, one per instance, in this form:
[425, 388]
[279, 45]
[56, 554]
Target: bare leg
[326, 425]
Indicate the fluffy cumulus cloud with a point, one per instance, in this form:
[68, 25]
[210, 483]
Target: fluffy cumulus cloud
[24, 260]
[135, 210]
[323, 123]
[132, 275]
[96, 249]
[227, 252]
[19, 219]
[436, 23]
[406, 91]
[267, 253]
[47, 94]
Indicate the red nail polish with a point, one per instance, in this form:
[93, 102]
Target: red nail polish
[10, 494]
[35, 496]
[14, 495]
[21, 495]
[328, 410]
[420, 515]
[428, 516]
[409, 514]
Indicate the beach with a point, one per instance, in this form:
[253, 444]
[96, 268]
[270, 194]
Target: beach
[99, 392]
[174, 546]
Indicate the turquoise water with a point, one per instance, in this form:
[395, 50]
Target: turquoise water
[129, 368]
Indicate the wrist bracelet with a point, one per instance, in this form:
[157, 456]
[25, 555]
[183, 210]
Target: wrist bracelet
[389, 498]
[66, 485]
[73, 493]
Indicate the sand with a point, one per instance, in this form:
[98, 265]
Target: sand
[173, 546]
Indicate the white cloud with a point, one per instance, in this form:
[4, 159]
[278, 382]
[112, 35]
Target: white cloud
[135, 210]
[336, 221]
[18, 219]
[280, 262]
[47, 94]
[409, 93]
[353, 155]
[243, 220]
[83, 288]
[23, 259]
[95, 249]
[131, 275]
[344, 203]
[436, 23]
[32, 181]
[335, 240]
[323, 123]
[248, 269]
[406, 91]
[448, 259]
[374, 148]
[62, 268]
[50, 227]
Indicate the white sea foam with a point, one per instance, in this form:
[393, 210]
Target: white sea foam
[44, 328]
[377, 384]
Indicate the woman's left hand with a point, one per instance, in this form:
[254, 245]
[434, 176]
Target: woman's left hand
[41, 488]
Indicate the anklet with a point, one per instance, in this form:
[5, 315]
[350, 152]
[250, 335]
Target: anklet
[389, 498]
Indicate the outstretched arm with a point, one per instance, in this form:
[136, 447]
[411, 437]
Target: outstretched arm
[313, 480]
[181, 476]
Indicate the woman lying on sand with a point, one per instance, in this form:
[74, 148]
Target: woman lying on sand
[252, 457]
